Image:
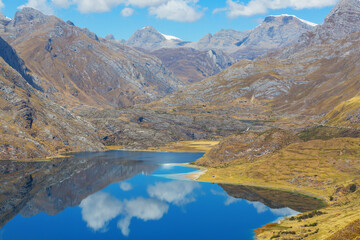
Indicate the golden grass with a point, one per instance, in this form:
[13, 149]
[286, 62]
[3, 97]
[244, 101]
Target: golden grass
[342, 114]
[187, 146]
[110, 148]
[318, 168]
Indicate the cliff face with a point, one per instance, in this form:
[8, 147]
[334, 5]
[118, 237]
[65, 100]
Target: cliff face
[76, 67]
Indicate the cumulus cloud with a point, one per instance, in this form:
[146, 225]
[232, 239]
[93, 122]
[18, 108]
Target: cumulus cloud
[141, 208]
[127, 12]
[125, 186]
[89, 6]
[41, 5]
[98, 209]
[1, 4]
[176, 192]
[177, 10]
[235, 9]
[145, 3]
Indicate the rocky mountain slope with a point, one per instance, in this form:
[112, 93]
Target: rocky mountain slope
[247, 146]
[31, 125]
[190, 65]
[148, 38]
[275, 32]
[76, 67]
[225, 40]
[307, 82]
[342, 21]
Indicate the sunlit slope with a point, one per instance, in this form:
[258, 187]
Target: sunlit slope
[346, 114]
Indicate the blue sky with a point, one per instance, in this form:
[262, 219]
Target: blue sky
[187, 19]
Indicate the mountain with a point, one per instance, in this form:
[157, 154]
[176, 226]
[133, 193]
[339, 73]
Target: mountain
[274, 33]
[77, 68]
[150, 39]
[31, 125]
[308, 82]
[225, 40]
[190, 65]
[343, 20]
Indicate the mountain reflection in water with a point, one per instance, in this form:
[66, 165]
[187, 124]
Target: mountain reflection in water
[114, 190]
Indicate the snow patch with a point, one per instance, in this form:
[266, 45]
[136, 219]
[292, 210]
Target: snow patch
[302, 20]
[168, 37]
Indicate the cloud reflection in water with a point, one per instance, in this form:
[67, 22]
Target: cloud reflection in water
[100, 208]
[176, 192]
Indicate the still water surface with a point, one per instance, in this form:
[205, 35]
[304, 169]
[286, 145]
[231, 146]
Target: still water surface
[131, 195]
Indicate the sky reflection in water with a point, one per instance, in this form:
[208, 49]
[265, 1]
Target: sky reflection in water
[147, 205]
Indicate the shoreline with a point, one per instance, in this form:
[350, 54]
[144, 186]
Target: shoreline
[204, 170]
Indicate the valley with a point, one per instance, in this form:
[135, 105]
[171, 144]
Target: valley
[276, 107]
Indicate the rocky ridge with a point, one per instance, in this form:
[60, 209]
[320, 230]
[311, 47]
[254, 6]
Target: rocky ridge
[83, 69]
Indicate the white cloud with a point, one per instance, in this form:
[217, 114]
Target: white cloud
[125, 186]
[235, 9]
[98, 209]
[177, 192]
[177, 10]
[61, 3]
[89, 6]
[41, 5]
[141, 208]
[1, 4]
[145, 3]
[127, 12]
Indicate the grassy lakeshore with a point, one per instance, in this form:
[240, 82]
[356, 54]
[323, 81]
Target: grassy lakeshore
[181, 146]
[327, 169]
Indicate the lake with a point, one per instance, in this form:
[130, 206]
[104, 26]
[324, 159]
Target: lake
[131, 195]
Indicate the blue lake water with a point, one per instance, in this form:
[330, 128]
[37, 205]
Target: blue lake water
[130, 195]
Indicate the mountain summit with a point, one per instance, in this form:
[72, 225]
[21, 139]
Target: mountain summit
[149, 38]
[274, 32]
[343, 19]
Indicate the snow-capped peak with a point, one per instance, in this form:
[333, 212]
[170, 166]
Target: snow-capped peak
[302, 20]
[168, 37]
